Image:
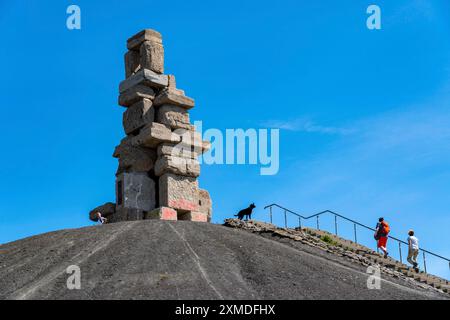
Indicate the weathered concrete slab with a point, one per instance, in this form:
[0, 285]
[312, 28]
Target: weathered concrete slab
[126, 214]
[135, 94]
[153, 134]
[138, 115]
[174, 98]
[178, 192]
[177, 165]
[173, 85]
[181, 150]
[205, 203]
[206, 145]
[106, 211]
[194, 216]
[162, 213]
[190, 138]
[135, 41]
[173, 116]
[175, 150]
[144, 77]
[135, 191]
[193, 139]
[192, 168]
[132, 63]
[169, 164]
[134, 158]
[152, 56]
[119, 216]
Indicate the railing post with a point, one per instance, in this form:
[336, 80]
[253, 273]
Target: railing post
[400, 250]
[318, 226]
[285, 219]
[335, 225]
[354, 229]
[424, 262]
[270, 213]
[300, 222]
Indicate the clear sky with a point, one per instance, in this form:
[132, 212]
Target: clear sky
[364, 114]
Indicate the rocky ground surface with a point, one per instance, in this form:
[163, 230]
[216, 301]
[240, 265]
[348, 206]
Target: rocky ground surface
[189, 260]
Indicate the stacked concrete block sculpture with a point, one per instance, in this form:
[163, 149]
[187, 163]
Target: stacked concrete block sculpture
[158, 157]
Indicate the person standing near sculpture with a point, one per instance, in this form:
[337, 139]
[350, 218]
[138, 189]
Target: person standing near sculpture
[101, 219]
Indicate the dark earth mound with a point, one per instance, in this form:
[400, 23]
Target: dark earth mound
[180, 260]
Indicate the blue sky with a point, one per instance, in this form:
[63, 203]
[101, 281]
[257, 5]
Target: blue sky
[364, 114]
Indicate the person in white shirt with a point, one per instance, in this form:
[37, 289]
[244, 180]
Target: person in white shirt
[101, 219]
[413, 248]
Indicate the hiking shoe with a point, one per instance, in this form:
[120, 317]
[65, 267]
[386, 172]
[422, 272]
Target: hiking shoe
[386, 255]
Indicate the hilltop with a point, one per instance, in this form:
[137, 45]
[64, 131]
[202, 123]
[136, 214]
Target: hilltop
[186, 260]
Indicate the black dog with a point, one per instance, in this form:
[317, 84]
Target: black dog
[246, 212]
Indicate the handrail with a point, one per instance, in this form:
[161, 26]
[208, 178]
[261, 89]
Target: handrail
[300, 216]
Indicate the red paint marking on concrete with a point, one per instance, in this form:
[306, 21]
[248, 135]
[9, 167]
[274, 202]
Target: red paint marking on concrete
[183, 204]
[199, 217]
[168, 214]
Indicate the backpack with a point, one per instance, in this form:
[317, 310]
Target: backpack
[386, 229]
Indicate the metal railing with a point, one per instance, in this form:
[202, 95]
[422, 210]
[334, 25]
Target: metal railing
[355, 225]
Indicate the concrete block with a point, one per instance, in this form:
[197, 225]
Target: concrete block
[174, 98]
[118, 216]
[172, 82]
[177, 165]
[135, 41]
[173, 85]
[175, 117]
[205, 203]
[176, 150]
[169, 164]
[134, 158]
[135, 94]
[153, 134]
[129, 214]
[135, 191]
[178, 192]
[193, 216]
[192, 168]
[190, 146]
[152, 56]
[106, 211]
[206, 145]
[183, 150]
[132, 63]
[126, 214]
[144, 77]
[138, 115]
[193, 139]
[162, 213]
[133, 214]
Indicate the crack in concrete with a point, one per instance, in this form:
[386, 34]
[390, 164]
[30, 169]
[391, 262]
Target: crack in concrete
[28, 291]
[196, 259]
